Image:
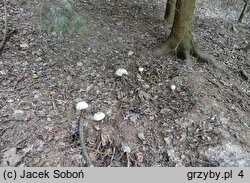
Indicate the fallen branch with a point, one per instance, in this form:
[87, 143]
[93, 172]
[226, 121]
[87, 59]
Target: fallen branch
[243, 11]
[83, 143]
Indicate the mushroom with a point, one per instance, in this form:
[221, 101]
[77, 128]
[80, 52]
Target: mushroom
[98, 116]
[120, 72]
[81, 105]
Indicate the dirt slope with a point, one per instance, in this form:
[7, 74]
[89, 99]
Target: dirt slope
[205, 121]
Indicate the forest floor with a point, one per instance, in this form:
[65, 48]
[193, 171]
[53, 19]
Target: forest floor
[205, 121]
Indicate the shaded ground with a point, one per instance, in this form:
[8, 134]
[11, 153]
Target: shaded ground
[204, 122]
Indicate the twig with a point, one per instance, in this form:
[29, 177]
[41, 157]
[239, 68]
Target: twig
[243, 11]
[97, 149]
[201, 161]
[55, 107]
[112, 157]
[211, 81]
[7, 90]
[3, 130]
[18, 80]
[30, 85]
[121, 156]
[83, 143]
[22, 140]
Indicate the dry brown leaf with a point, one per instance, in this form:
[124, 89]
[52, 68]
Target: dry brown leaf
[139, 157]
[72, 72]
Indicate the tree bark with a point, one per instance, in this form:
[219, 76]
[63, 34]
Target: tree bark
[170, 11]
[181, 39]
[181, 33]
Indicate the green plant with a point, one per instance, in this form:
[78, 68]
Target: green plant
[60, 16]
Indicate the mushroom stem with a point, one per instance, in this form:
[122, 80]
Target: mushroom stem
[83, 143]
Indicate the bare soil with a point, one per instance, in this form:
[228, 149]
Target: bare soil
[205, 121]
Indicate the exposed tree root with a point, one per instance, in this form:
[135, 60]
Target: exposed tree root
[181, 49]
[185, 50]
[200, 56]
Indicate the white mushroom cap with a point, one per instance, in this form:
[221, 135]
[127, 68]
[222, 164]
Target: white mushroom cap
[126, 149]
[173, 87]
[141, 69]
[98, 116]
[120, 72]
[81, 105]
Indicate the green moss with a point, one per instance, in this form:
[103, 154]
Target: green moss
[60, 16]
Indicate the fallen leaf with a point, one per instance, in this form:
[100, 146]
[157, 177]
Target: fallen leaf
[53, 93]
[139, 157]
[108, 152]
[141, 136]
[72, 73]
[35, 76]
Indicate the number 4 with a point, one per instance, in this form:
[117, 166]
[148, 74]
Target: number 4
[241, 174]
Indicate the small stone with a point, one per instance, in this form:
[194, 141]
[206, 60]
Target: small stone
[130, 53]
[39, 59]
[79, 64]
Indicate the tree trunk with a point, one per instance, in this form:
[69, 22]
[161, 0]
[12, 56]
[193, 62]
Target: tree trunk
[182, 27]
[170, 11]
[181, 39]
[243, 11]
